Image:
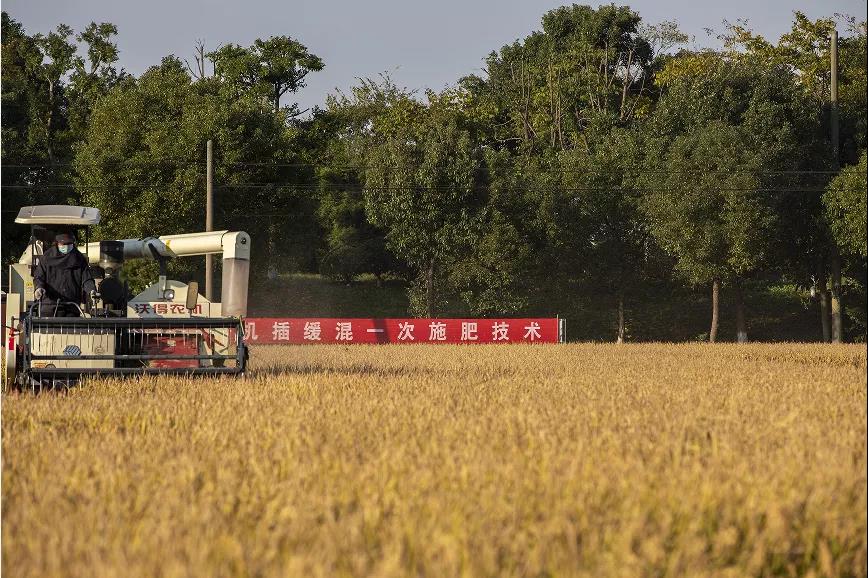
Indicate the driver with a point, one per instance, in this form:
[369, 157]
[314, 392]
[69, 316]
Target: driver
[62, 277]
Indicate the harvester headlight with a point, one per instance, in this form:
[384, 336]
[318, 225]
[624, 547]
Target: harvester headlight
[169, 294]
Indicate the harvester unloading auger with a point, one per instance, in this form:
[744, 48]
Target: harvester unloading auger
[169, 328]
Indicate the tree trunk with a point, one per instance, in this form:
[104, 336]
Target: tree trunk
[823, 294]
[715, 309]
[740, 324]
[625, 88]
[621, 330]
[429, 289]
[837, 313]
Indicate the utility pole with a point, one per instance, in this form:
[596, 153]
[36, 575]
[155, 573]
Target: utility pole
[209, 219]
[833, 109]
[837, 315]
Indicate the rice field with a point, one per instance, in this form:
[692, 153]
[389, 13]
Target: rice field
[539, 461]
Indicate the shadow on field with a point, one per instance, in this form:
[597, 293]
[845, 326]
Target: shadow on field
[350, 370]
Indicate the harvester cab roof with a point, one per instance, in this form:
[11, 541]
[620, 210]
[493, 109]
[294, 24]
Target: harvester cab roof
[58, 215]
[48, 221]
[168, 327]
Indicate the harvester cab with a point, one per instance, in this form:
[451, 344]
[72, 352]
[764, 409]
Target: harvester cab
[168, 328]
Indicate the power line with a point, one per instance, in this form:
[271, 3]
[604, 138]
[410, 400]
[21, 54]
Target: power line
[350, 187]
[543, 168]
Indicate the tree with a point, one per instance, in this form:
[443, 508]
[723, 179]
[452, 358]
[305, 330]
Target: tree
[555, 100]
[706, 208]
[93, 78]
[353, 245]
[420, 187]
[779, 126]
[603, 185]
[518, 219]
[335, 141]
[421, 170]
[805, 51]
[142, 163]
[584, 72]
[36, 140]
[845, 213]
[48, 94]
[270, 67]
[59, 54]
[845, 202]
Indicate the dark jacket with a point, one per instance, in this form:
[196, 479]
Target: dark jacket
[64, 277]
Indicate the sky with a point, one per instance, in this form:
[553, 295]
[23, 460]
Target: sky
[420, 44]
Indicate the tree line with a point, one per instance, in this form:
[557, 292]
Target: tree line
[599, 151]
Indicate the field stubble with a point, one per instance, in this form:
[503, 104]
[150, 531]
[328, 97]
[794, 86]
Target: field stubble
[569, 460]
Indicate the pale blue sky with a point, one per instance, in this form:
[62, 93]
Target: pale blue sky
[420, 44]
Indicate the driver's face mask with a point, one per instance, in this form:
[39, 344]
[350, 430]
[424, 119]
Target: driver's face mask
[64, 249]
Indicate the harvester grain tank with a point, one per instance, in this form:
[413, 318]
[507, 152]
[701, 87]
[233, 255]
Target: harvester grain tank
[168, 328]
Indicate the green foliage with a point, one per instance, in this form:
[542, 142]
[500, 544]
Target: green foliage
[420, 184]
[612, 236]
[756, 131]
[806, 50]
[445, 212]
[704, 204]
[846, 201]
[853, 92]
[585, 71]
[23, 131]
[353, 246]
[48, 91]
[496, 277]
[143, 164]
[270, 68]
[92, 79]
[135, 162]
[589, 159]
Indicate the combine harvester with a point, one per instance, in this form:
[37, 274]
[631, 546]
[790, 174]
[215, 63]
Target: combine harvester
[169, 328]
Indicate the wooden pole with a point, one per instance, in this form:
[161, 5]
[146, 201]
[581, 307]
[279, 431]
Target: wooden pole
[209, 219]
[837, 310]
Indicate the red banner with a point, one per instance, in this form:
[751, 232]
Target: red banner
[277, 330]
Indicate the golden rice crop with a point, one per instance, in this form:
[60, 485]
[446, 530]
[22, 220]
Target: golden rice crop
[560, 460]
